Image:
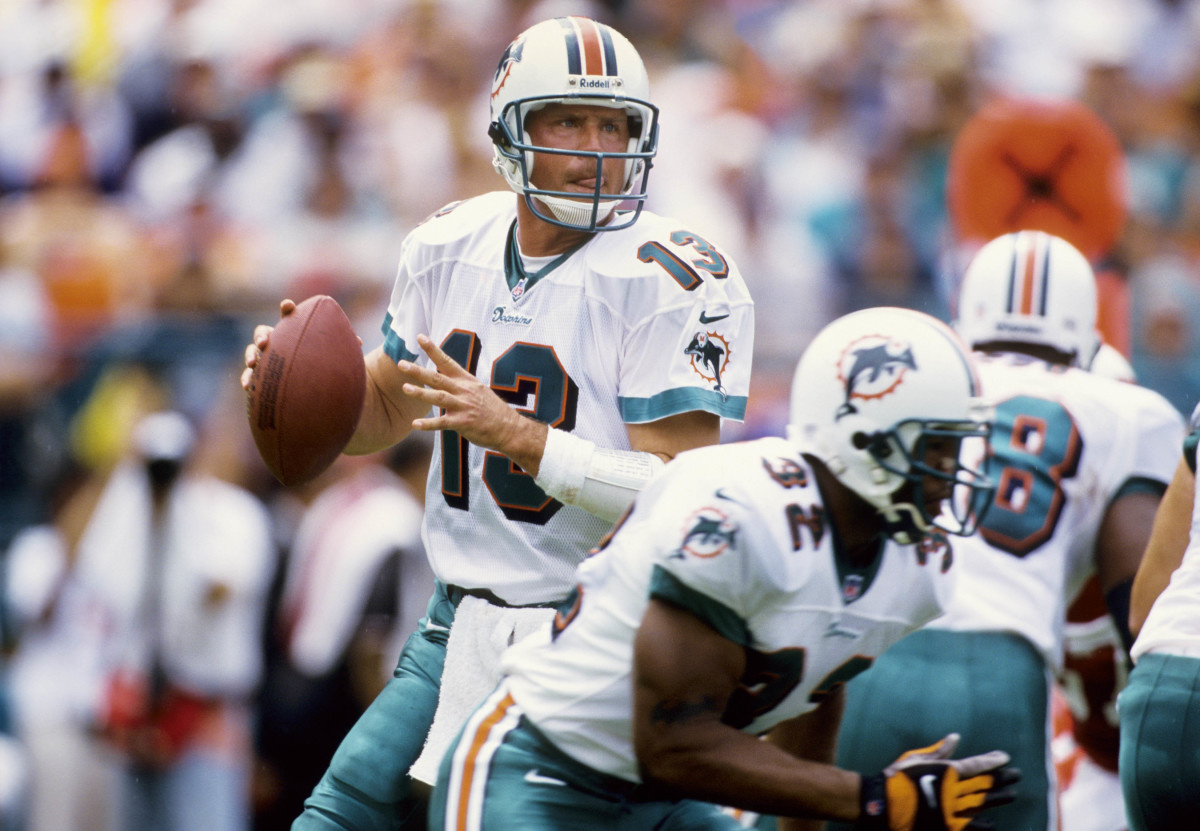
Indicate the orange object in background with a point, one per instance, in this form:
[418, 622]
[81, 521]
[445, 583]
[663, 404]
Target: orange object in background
[1051, 165]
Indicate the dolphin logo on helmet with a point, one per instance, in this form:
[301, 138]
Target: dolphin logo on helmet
[875, 370]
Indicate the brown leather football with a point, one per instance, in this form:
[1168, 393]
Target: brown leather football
[306, 393]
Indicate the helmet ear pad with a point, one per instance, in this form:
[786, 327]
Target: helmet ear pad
[880, 476]
[860, 438]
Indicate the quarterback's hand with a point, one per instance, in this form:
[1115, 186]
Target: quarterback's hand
[262, 336]
[926, 790]
[466, 405]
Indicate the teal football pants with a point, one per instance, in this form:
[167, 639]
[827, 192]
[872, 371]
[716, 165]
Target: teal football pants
[1160, 743]
[366, 786]
[531, 785]
[993, 688]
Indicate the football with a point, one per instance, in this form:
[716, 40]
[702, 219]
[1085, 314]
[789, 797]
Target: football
[306, 392]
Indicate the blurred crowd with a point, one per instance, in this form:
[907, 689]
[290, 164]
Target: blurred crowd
[171, 169]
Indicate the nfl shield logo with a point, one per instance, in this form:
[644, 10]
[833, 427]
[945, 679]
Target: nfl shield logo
[852, 587]
[518, 289]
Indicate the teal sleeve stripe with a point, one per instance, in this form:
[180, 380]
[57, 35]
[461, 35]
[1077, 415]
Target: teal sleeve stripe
[393, 344]
[681, 400]
[1140, 484]
[666, 586]
[1189, 449]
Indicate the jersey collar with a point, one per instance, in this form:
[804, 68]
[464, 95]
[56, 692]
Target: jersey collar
[519, 281]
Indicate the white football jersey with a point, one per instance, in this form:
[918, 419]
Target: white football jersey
[1173, 627]
[633, 326]
[737, 534]
[1064, 444]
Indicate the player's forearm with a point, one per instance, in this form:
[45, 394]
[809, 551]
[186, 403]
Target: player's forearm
[1164, 552]
[744, 772]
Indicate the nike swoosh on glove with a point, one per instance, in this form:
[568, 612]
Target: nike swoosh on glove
[926, 790]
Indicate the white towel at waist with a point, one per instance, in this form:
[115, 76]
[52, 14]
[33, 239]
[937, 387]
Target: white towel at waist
[478, 636]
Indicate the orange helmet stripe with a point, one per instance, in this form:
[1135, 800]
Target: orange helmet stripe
[1028, 271]
[593, 54]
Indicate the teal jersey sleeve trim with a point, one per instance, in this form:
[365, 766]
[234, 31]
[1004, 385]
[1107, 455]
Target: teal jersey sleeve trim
[1140, 484]
[666, 586]
[1189, 449]
[393, 344]
[681, 400]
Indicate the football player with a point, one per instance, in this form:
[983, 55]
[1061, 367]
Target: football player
[551, 334]
[1080, 462]
[1159, 706]
[747, 584]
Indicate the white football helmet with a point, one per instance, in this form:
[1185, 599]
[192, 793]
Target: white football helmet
[1034, 288]
[573, 60]
[870, 391]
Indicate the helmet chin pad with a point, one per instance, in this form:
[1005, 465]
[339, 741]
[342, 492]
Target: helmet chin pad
[573, 212]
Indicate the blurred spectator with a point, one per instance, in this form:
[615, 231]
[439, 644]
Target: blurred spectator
[356, 582]
[423, 103]
[175, 567]
[72, 779]
[190, 158]
[86, 252]
[36, 105]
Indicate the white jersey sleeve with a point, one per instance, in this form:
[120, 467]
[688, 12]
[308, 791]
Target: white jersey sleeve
[689, 324]
[633, 326]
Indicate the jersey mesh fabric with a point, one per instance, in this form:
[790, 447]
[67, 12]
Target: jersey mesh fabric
[602, 326]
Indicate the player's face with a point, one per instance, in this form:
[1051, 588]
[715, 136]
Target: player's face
[578, 127]
[941, 454]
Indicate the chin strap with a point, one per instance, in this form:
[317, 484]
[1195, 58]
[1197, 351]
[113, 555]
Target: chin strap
[903, 523]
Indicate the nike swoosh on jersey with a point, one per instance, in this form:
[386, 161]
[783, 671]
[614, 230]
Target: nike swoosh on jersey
[704, 318]
[535, 778]
[836, 630]
[927, 782]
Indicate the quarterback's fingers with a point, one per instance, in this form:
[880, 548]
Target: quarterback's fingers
[262, 335]
[247, 375]
[286, 307]
[419, 375]
[437, 398]
[441, 360]
[430, 424]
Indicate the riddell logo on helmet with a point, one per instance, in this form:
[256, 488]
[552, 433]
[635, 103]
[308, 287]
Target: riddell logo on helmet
[1005, 326]
[585, 82]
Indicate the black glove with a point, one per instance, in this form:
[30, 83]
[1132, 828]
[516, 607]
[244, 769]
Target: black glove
[926, 790]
